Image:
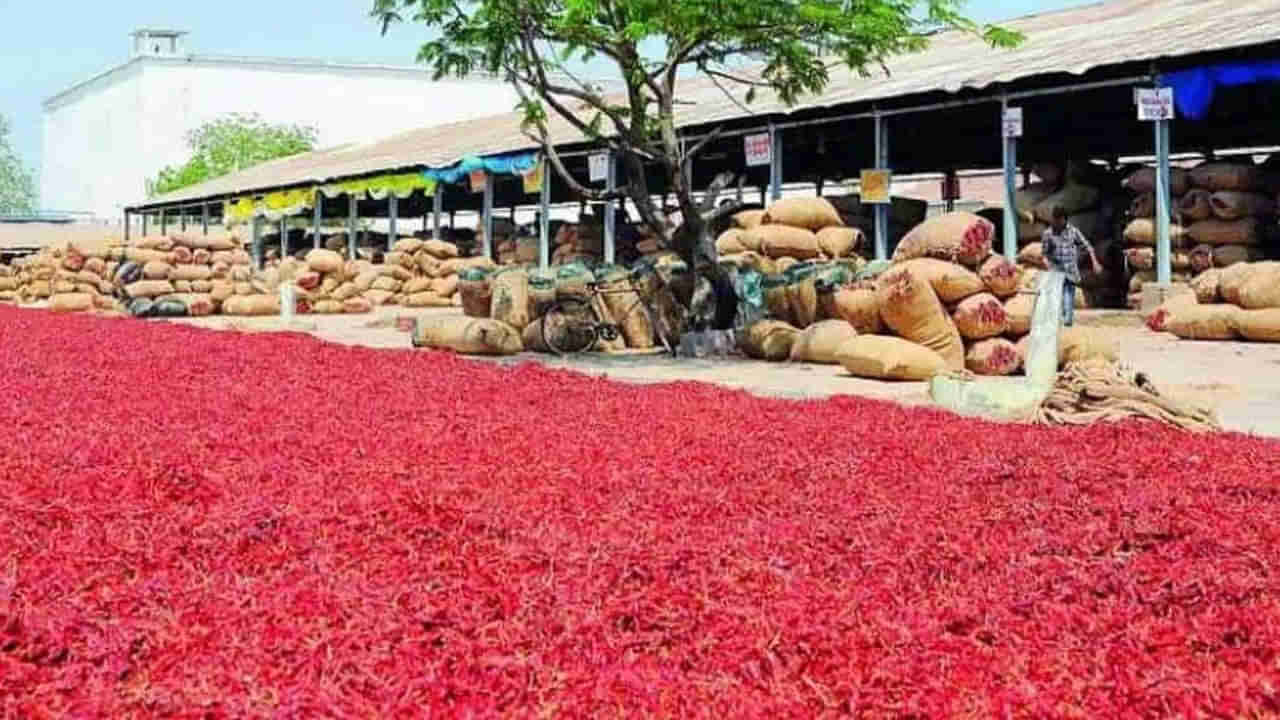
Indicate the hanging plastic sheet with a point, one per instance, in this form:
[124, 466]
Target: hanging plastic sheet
[514, 164]
[1013, 398]
[285, 203]
[402, 185]
[1193, 89]
[238, 211]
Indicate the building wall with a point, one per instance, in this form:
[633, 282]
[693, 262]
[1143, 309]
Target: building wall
[103, 141]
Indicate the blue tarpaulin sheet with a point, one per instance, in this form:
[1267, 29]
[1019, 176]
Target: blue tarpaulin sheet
[518, 164]
[1193, 89]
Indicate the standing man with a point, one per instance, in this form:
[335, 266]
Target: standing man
[1062, 244]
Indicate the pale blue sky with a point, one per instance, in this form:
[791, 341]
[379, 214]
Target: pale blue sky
[49, 46]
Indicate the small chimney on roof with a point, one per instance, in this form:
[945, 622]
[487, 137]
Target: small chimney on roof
[151, 42]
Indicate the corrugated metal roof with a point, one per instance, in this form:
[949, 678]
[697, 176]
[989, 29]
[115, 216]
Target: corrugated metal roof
[1069, 41]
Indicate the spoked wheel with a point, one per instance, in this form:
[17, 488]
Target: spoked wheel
[569, 326]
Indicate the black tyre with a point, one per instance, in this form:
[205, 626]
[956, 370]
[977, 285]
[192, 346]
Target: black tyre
[569, 326]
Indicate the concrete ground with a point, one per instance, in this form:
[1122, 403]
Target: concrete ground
[1240, 380]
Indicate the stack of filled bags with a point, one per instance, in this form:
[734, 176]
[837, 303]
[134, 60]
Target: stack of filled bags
[904, 214]
[181, 274]
[504, 240]
[581, 242]
[794, 231]
[1240, 302]
[8, 283]
[71, 278]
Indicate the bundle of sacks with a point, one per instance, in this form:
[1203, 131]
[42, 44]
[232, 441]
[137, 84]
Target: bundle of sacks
[504, 239]
[946, 303]
[8, 283]
[793, 230]
[1240, 302]
[74, 278]
[581, 242]
[1220, 215]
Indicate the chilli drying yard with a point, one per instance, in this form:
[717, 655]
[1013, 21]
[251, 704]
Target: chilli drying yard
[240, 524]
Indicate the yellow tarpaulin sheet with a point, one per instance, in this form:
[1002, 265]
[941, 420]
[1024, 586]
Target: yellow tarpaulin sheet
[402, 185]
[238, 211]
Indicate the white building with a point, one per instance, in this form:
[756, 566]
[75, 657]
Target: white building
[104, 137]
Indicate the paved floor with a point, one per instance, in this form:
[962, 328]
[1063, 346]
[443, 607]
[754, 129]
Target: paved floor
[1240, 380]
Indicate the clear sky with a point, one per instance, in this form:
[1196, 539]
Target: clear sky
[49, 46]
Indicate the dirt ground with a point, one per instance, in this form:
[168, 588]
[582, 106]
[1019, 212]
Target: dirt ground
[1240, 380]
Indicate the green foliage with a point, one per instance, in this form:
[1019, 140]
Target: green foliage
[230, 143]
[17, 188]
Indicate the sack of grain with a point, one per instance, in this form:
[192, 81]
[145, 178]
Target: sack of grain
[324, 261]
[1143, 232]
[71, 302]
[408, 245]
[810, 213]
[1144, 180]
[181, 256]
[623, 302]
[308, 280]
[573, 280]
[999, 276]
[220, 290]
[802, 294]
[1228, 255]
[980, 317]
[357, 306]
[532, 337]
[467, 336]
[1144, 206]
[426, 299]
[440, 249]
[181, 286]
[148, 288]
[417, 285]
[776, 301]
[364, 281]
[244, 288]
[1032, 256]
[1259, 325]
[768, 340]
[751, 261]
[910, 307]
[346, 291]
[957, 236]
[190, 272]
[1205, 286]
[779, 241]
[196, 305]
[384, 282]
[1235, 204]
[156, 270]
[839, 242]
[1232, 280]
[399, 259]
[749, 220]
[1246, 231]
[473, 287]
[1201, 258]
[950, 281]
[266, 282]
[730, 242]
[992, 357]
[378, 297]
[1204, 322]
[510, 298]
[327, 307]
[820, 342]
[142, 257]
[1078, 344]
[882, 357]
[1028, 197]
[1260, 289]
[1018, 310]
[1195, 205]
[251, 305]
[1074, 198]
[1217, 176]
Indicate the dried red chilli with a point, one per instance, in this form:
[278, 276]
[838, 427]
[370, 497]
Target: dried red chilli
[199, 523]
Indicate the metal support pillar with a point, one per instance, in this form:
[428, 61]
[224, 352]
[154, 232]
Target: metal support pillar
[610, 216]
[351, 226]
[1163, 250]
[436, 202]
[257, 243]
[144, 224]
[182, 219]
[544, 221]
[393, 207]
[204, 218]
[317, 213]
[775, 163]
[882, 210]
[284, 238]
[487, 216]
[164, 223]
[1010, 229]
[126, 227]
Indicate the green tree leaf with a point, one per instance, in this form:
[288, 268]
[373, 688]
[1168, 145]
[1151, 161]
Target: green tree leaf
[17, 187]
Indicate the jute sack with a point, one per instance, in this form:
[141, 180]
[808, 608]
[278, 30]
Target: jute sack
[417, 285]
[1033, 256]
[1261, 289]
[426, 299]
[473, 287]
[1073, 198]
[950, 281]
[980, 316]
[409, 245]
[1246, 231]
[377, 298]
[384, 282]
[820, 342]
[8, 284]
[1078, 344]
[148, 288]
[266, 282]
[251, 305]
[779, 241]
[181, 256]
[1143, 232]
[142, 256]
[244, 288]
[364, 281]
[356, 306]
[190, 272]
[751, 261]
[882, 357]
[401, 259]
[623, 301]
[1228, 255]
[999, 276]
[441, 249]
[730, 242]
[156, 270]
[1201, 258]
[839, 242]
[324, 261]
[1204, 322]
[532, 338]
[1216, 176]
[749, 220]
[1235, 204]
[542, 291]
[63, 286]
[1144, 180]
[1018, 310]
[802, 295]
[71, 302]
[202, 287]
[910, 308]
[1031, 230]
[396, 272]
[40, 288]
[510, 298]
[155, 242]
[181, 286]
[777, 304]
[308, 280]
[1205, 286]
[221, 290]
[993, 356]
[1196, 205]
[197, 305]
[956, 236]
[768, 340]
[1029, 196]
[327, 307]
[1259, 325]
[602, 312]
[345, 291]
[1232, 280]
[810, 213]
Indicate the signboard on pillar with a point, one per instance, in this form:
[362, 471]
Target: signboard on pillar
[1012, 122]
[1154, 103]
[758, 149]
[534, 178]
[477, 180]
[598, 167]
[874, 186]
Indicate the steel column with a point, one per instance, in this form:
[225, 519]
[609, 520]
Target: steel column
[487, 216]
[257, 242]
[775, 163]
[544, 220]
[1010, 229]
[204, 218]
[610, 221]
[351, 226]
[182, 219]
[393, 207]
[164, 223]
[1163, 250]
[126, 227]
[882, 210]
[284, 238]
[436, 201]
[144, 224]
[317, 213]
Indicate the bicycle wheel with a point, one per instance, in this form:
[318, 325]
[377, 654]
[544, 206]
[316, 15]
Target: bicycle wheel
[569, 326]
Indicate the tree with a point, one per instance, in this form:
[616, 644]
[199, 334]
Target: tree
[17, 189]
[230, 143]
